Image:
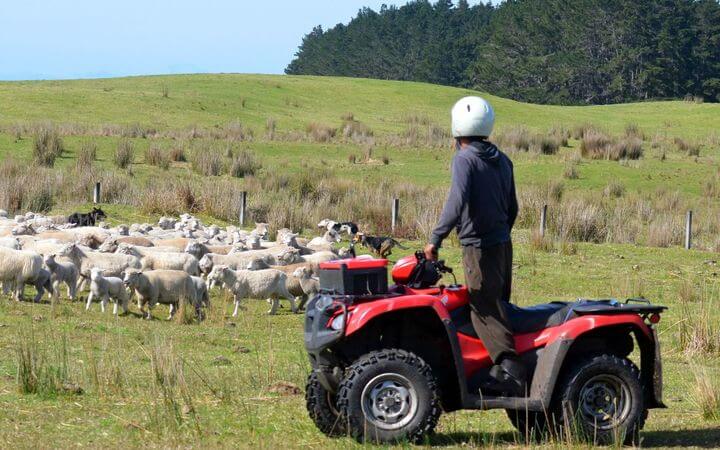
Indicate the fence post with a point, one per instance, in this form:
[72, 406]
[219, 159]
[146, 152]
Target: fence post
[96, 193]
[395, 212]
[543, 220]
[243, 205]
[688, 230]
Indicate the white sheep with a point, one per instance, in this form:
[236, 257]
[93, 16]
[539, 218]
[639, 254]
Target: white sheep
[106, 288]
[62, 272]
[12, 243]
[269, 283]
[310, 285]
[112, 264]
[237, 261]
[167, 223]
[162, 261]
[18, 267]
[168, 287]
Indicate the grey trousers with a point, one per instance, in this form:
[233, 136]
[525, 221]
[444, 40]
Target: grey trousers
[488, 275]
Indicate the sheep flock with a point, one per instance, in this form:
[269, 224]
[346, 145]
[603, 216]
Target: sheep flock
[176, 261]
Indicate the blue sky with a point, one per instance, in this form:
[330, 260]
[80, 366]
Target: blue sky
[54, 39]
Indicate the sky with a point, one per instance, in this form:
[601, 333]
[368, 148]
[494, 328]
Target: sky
[61, 39]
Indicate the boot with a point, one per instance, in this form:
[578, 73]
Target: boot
[509, 378]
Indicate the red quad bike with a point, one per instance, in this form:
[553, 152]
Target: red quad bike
[387, 360]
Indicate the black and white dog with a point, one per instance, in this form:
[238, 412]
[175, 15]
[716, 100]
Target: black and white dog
[87, 219]
[348, 227]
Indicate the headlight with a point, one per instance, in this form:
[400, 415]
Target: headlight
[338, 322]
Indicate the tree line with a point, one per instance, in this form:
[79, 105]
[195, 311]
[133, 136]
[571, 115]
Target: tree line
[540, 51]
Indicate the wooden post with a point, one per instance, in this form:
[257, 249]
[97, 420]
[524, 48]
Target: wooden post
[96, 193]
[243, 205]
[543, 220]
[688, 230]
[395, 212]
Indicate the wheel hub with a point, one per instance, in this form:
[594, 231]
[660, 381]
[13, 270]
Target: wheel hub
[604, 401]
[389, 401]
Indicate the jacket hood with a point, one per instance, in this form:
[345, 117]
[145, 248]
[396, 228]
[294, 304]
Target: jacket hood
[487, 151]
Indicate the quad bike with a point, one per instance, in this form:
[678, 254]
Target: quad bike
[387, 360]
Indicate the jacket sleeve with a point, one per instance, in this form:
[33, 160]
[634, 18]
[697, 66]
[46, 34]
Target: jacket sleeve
[513, 206]
[456, 201]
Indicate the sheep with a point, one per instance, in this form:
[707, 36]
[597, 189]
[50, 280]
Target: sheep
[3, 213]
[160, 286]
[167, 223]
[178, 243]
[293, 284]
[106, 288]
[12, 243]
[241, 260]
[42, 283]
[18, 267]
[163, 261]
[316, 258]
[330, 237]
[262, 229]
[255, 284]
[114, 265]
[310, 285]
[198, 250]
[62, 272]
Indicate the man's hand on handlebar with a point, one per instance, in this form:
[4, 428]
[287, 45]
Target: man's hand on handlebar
[431, 252]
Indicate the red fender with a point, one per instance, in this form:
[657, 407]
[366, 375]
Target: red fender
[365, 312]
[475, 355]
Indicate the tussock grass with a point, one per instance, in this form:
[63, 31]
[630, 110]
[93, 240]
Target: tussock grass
[208, 162]
[47, 146]
[124, 154]
[319, 132]
[245, 163]
[156, 156]
[707, 395]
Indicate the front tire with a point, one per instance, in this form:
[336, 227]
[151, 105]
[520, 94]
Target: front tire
[601, 400]
[389, 396]
[321, 407]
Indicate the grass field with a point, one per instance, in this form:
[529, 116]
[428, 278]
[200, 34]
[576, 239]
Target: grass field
[164, 384]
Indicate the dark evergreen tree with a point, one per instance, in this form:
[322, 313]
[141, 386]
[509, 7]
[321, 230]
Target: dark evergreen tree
[544, 51]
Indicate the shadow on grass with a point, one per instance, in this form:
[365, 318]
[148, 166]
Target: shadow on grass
[459, 438]
[701, 438]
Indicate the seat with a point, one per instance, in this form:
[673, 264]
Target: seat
[536, 318]
[522, 320]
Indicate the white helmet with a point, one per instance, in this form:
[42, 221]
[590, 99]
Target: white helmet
[472, 116]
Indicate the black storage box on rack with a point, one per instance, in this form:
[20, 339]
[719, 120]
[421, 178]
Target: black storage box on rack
[354, 277]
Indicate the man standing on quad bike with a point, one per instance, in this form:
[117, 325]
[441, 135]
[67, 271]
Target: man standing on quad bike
[482, 206]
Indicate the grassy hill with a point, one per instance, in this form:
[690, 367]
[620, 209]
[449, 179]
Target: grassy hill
[209, 100]
[231, 367]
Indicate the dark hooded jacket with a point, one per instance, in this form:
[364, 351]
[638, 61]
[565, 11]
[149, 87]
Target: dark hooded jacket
[482, 204]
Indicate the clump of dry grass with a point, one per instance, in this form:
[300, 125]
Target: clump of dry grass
[236, 131]
[245, 163]
[514, 139]
[356, 131]
[86, 156]
[348, 117]
[47, 146]
[699, 334]
[581, 131]
[664, 231]
[156, 156]
[595, 144]
[319, 132]
[270, 128]
[208, 162]
[707, 395]
[614, 189]
[124, 154]
[691, 148]
[633, 131]
[571, 171]
[177, 153]
[546, 145]
[540, 243]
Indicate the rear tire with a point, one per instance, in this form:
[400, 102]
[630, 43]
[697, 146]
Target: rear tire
[389, 396]
[321, 406]
[600, 400]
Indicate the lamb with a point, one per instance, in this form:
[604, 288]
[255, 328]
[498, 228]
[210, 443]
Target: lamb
[42, 283]
[62, 272]
[167, 223]
[270, 283]
[163, 261]
[310, 285]
[112, 264]
[106, 288]
[178, 243]
[160, 286]
[315, 258]
[18, 267]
